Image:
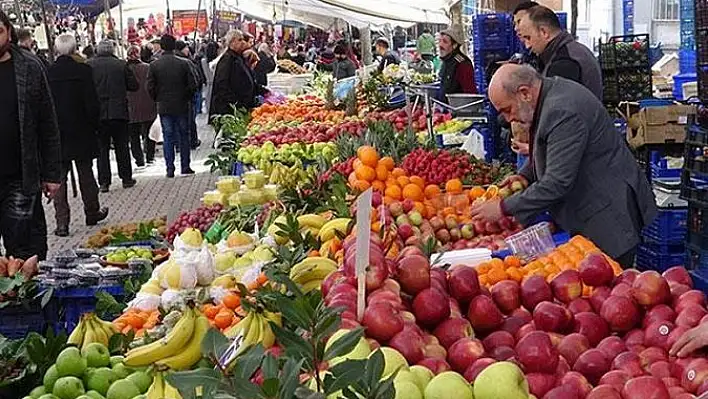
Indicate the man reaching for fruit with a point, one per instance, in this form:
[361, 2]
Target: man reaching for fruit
[578, 169]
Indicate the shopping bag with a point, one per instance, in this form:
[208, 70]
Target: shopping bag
[156, 131]
[474, 144]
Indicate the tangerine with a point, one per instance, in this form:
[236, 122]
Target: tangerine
[361, 185]
[381, 172]
[368, 155]
[453, 186]
[394, 192]
[403, 180]
[378, 185]
[512, 261]
[388, 163]
[418, 181]
[476, 192]
[396, 172]
[224, 318]
[412, 192]
[365, 172]
[231, 300]
[432, 190]
[210, 310]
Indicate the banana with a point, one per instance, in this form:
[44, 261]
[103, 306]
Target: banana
[276, 318]
[157, 389]
[77, 336]
[267, 335]
[98, 331]
[171, 392]
[173, 342]
[327, 232]
[311, 220]
[254, 333]
[312, 285]
[312, 230]
[90, 336]
[107, 326]
[309, 264]
[192, 351]
[241, 326]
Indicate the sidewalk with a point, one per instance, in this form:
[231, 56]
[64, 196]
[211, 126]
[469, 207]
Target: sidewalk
[153, 196]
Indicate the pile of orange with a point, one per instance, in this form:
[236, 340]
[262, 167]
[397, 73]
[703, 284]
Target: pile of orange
[225, 314]
[136, 320]
[381, 173]
[565, 257]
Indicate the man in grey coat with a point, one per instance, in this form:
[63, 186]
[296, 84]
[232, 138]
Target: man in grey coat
[579, 167]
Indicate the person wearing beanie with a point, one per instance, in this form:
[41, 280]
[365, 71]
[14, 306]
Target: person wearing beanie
[142, 110]
[343, 67]
[457, 72]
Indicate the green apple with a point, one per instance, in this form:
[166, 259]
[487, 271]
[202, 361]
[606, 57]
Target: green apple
[122, 389]
[393, 360]
[117, 359]
[99, 379]
[96, 355]
[449, 384]
[71, 363]
[37, 392]
[423, 375]
[95, 395]
[141, 379]
[48, 396]
[121, 371]
[502, 380]
[68, 388]
[84, 396]
[50, 377]
[140, 397]
[360, 351]
[407, 390]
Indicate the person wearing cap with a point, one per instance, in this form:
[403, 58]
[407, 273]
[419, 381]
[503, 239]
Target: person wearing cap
[387, 56]
[156, 50]
[343, 67]
[457, 72]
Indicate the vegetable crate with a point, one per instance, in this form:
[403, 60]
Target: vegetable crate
[486, 62]
[16, 321]
[702, 80]
[650, 257]
[626, 68]
[668, 227]
[76, 301]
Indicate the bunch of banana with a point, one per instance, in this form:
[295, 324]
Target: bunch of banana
[192, 352]
[171, 345]
[312, 271]
[327, 232]
[91, 329]
[255, 330]
[161, 389]
[312, 223]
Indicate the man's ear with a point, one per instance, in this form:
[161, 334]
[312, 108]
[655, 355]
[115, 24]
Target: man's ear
[524, 93]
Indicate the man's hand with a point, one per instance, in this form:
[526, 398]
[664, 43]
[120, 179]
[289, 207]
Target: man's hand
[510, 179]
[50, 189]
[489, 211]
[690, 341]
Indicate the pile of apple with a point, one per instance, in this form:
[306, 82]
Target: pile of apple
[612, 344]
[399, 118]
[306, 133]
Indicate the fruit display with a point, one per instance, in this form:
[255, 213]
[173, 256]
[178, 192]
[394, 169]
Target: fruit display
[200, 218]
[306, 133]
[311, 272]
[286, 153]
[137, 321]
[291, 67]
[136, 231]
[124, 255]
[439, 166]
[255, 329]
[91, 330]
[10, 267]
[453, 126]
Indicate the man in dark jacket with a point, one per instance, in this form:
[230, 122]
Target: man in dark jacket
[142, 110]
[266, 64]
[343, 67]
[182, 51]
[457, 72]
[113, 80]
[388, 57]
[171, 83]
[78, 110]
[558, 52]
[32, 152]
[234, 84]
[579, 168]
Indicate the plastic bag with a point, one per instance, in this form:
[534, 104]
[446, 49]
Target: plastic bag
[474, 144]
[156, 131]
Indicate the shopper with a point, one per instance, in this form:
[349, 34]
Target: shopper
[457, 72]
[171, 83]
[113, 80]
[142, 111]
[234, 84]
[31, 164]
[78, 111]
[579, 168]
[182, 51]
[387, 56]
[26, 42]
[156, 50]
[426, 45]
[266, 64]
[343, 67]
[558, 52]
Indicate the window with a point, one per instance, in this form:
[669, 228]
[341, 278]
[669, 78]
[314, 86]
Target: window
[667, 10]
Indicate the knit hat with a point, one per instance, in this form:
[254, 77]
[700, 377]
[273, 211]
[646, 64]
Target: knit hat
[452, 33]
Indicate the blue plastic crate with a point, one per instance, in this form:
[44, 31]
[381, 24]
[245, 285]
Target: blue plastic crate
[520, 161]
[669, 226]
[492, 23]
[76, 301]
[563, 18]
[649, 258]
[679, 80]
[687, 61]
[700, 279]
[696, 258]
[660, 171]
[16, 321]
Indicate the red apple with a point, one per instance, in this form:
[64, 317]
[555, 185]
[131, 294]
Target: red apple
[689, 297]
[464, 284]
[634, 338]
[651, 355]
[431, 307]
[567, 286]
[454, 308]
[535, 290]
[507, 295]
[579, 305]
[410, 344]
[563, 368]
[503, 353]
[549, 316]
[524, 331]
[464, 352]
[434, 351]
[620, 313]
[691, 315]
[512, 324]
[675, 335]
[679, 366]
[536, 353]
[678, 274]
[333, 279]
[437, 366]
[651, 289]
[473, 371]
[382, 321]
[563, 392]
[451, 330]
[592, 326]
[540, 383]
[593, 365]
[628, 276]
[595, 271]
[660, 369]
[612, 346]
[678, 289]
[414, 274]
[341, 290]
[498, 338]
[604, 392]
[382, 295]
[572, 346]
[628, 362]
[522, 313]
[622, 289]
[695, 374]
[615, 378]
[392, 285]
[671, 382]
[682, 395]
[598, 297]
[658, 313]
[578, 381]
[657, 334]
[556, 338]
[484, 314]
[646, 387]
[439, 276]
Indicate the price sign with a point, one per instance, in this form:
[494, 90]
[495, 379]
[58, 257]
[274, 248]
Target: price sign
[363, 233]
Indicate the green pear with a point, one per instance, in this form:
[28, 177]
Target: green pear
[70, 363]
[121, 371]
[117, 359]
[122, 389]
[100, 379]
[95, 395]
[449, 384]
[37, 392]
[423, 376]
[360, 351]
[501, 380]
[393, 360]
[407, 390]
[50, 377]
[141, 379]
[68, 388]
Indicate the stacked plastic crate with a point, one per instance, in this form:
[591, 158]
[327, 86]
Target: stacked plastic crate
[626, 69]
[628, 14]
[687, 51]
[701, 42]
[491, 39]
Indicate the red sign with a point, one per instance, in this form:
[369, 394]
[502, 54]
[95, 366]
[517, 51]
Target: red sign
[184, 21]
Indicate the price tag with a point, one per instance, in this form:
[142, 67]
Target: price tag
[363, 233]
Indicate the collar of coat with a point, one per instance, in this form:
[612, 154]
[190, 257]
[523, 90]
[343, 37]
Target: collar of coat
[552, 47]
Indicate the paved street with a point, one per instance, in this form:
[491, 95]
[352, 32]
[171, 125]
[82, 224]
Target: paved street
[153, 196]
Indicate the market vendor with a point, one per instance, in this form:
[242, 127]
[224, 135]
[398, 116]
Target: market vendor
[457, 72]
[579, 168]
[387, 56]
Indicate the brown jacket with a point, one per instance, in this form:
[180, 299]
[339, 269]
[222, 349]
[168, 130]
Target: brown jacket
[141, 107]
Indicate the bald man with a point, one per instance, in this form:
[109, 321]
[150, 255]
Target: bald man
[579, 168]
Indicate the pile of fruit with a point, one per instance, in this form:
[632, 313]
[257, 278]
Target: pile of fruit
[286, 153]
[399, 118]
[123, 255]
[136, 320]
[9, 267]
[306, 133]
[135, 231]
[439, 166]
[292, 113]
[201, 218]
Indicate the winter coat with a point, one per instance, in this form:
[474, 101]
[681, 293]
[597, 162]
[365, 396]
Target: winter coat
[141, 107]
[172, 83]
[113, 81]
[234, 85]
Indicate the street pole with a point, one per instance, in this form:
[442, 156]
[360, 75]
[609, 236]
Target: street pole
[50, 42]
[196, 23]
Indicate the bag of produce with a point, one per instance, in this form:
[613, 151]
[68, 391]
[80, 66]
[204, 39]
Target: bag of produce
[178, 275]
[145, 302]
[172, 299]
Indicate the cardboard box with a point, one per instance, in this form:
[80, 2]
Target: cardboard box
[659, 125]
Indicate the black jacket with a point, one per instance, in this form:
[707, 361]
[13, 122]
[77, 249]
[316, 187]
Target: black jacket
[343, 69]
[113, 80]
[171, 83]
[565, 57]
[389, 58]
[77, 108]
[265, 66]
[39, 131]
[234, 85]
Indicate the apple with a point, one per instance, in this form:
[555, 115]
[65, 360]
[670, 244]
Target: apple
[392, 285]
[382, 321]
[691, 315]
[578, 381]
[536, 353]
[503, 353]
[334, 279]
[690, 297]
[342, 290]
[409, 343]
[598, 297]
[414, 274]
[71, 387]
[604, 392]
[679, 275]
[616, 379]
[650, 289]
[99, 379]
[435, 351]
[382, 295]
[651, 355]
[678, 289]
[464, 284]
[523, 314]
[620, 313]
[435, 365]
[467, 231]
[122, 389]
[595, 271]
[540, 383]
[628, 362]
[572, 346]
[628, 276]
[675, 335]
[563, 392]
[448, 384]
[660, 312]
[500, 380]
[592, 326]
[552, 317]
[646, 387]
[455, 311]
[512, 324]
[579, 305]
[563, 367]
[483, 314]
[660, 369]
[622, 289]
[567, 286]
[70, 363]
[464, 352]
[535, 290]
[612, 346]
[593, 365]
[695, 374]
[671, 382]
[657, 334]
[431, 306]
[507, 295]
[634, 338]
[473, 371]
[497, 339]
[524, 331]
[451, 330]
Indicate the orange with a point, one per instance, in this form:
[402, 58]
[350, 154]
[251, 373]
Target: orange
[231, 300]
[388, 200]
[391, 181]
[368, 155]
[403, 180]
[515, 274]
[388, 163]
[378, 185]
[210, 310]
[398, 172]
[432, 191]
[418, 181]
[381, 172]
[512, 261]
[394, 192]
[484, 280]
[497, 275]
[224, 318]
[365, 173]
[477, 192]
[453, 186]
[418, 206]
[134, 321]
[376, 227]
[357, 163]
[262, 278]
[361, 185]
[497, 263]
[413, 192]
[483, 268]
